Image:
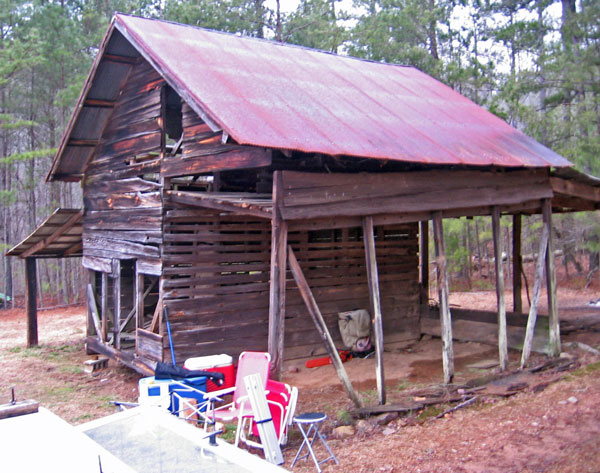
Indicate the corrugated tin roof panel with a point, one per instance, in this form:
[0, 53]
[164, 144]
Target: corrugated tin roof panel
[272, 95]
[56, 237]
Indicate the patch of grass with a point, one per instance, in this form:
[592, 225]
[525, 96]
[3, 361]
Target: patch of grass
[15, 350]
[431, 411]
[370, 395]
[32, 352]
[587, 369]
[83, 417]
[60, 391]
[60, 352]
[344, 417]
[229, 432]
[71, 369]
[403, 385]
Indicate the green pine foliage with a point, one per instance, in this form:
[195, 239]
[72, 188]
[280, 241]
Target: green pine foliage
[534, 63]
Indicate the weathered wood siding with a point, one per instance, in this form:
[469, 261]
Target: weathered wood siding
[334, 264]
[123, 208]
[216, 283]
[204, 152]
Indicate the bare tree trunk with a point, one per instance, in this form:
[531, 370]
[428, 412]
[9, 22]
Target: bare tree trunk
[432, 31]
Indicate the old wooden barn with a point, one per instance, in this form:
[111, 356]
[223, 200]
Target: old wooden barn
[250, 187]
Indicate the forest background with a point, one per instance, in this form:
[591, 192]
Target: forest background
[536, 64]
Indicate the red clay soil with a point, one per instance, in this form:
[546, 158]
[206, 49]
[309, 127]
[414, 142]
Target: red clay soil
[556, 429]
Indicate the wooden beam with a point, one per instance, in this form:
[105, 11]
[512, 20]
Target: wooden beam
[502, 336]
[277, 281]
[104, 306]
[40, 245]
[157, 317]
[311, 195]
[31, 298]
[139, 299]
[74, 250]
[315, 313]
[424, 260]
[375, 299]
[93, 308]
[19, 408]
[517, 264]
[531, 206]
[228, 157]
[212, 201]
[98, 103]
[443, 293]
[531, 320]
[573, 188]
[120, 59]
[554, 329]
[117, 304]
[83, 143]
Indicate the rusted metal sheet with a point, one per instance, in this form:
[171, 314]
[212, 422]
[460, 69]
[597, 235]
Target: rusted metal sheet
[267, 94]
[58, 236]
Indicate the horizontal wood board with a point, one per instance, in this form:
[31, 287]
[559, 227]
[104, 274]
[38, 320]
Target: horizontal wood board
[321, 195]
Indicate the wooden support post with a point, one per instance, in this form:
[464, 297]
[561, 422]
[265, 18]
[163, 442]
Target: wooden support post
[117, 304]
[443, 292]
[531, 320]
[424, 254]
[277, 280]
[315, 313]
[139, 300]
[104, 306]
[517, 265]
[375, 298]
[31, 296]
[91, 279]
[554, 324]
[499, 266]
[93, 310]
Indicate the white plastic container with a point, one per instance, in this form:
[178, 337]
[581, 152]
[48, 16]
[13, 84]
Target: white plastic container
[154, 392]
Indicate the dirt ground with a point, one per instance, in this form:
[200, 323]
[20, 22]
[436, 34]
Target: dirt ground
[556, 429]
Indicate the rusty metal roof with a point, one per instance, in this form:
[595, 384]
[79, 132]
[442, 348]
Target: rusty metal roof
[268, 94]
[58, 236]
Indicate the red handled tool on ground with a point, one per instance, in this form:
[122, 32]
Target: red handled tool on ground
[345, 355]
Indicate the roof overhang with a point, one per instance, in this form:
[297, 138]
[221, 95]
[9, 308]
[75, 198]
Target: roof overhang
[59, 236]
[114, 60]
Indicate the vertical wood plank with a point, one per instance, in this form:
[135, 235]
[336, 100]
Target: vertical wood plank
[31, 296]
[139, 303]
[91, 279]
[117, 304]
[443, 293]
[93, 310]
[554, 324]
[375, 298]
[315, 313]
[424, 260]
[277, 280]
[499, 267]
[517, 265]
[104, 306]
[532, 318]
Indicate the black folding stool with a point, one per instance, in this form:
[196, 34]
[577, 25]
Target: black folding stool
[313, 421]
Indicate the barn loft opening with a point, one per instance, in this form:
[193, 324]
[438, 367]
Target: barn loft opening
[173, 116]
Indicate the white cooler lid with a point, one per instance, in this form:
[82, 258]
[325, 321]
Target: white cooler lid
[207, 362]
